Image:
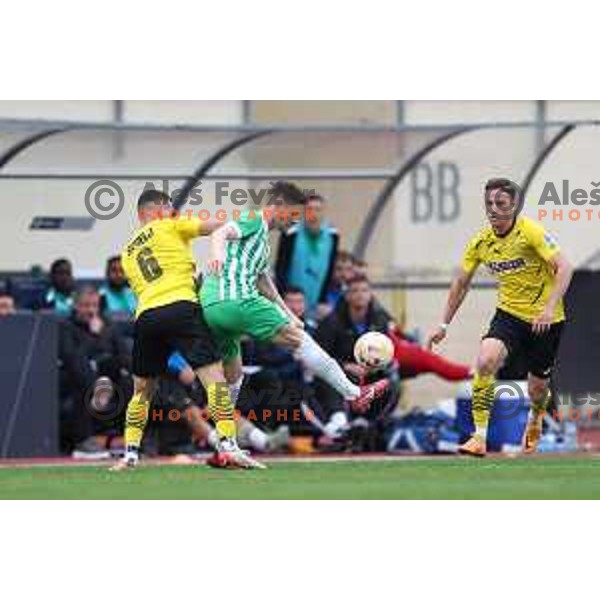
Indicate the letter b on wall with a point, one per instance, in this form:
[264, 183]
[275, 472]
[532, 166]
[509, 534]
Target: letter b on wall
[435, 192]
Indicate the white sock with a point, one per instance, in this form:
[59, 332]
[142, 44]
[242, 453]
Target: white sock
[234, 389]
[325, 367]
[132, 453]
[213, 438]
[481, 432]
[258, 439]
[249, 435]
[337, 423]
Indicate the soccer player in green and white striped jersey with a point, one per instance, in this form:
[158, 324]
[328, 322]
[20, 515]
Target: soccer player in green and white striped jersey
[239, 298]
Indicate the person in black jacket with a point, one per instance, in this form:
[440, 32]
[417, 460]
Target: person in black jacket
[306, 255]
[94, 362]
[356, 314]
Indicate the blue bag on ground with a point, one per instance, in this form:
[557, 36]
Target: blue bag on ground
[423, 432]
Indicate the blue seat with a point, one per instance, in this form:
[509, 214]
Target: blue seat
[28, 291]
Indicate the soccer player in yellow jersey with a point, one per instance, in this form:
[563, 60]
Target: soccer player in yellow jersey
[160, 267]
[533, 276]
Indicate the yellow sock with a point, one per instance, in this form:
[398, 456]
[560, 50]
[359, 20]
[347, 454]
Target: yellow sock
[135, 420]
[221, 409]
[483, 399]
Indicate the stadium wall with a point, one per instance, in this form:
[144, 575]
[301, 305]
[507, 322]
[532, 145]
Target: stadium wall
[420, 235]
[193, 112]
[441, 196]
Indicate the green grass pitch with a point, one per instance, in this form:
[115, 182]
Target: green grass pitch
[449, 478]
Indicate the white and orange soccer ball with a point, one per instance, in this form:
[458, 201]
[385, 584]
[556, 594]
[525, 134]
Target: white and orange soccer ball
[374, 350]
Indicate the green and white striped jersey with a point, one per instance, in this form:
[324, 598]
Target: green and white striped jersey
[246, 257]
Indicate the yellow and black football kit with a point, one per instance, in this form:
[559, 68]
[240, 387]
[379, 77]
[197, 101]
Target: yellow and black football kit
[519, 260]
[159, 264]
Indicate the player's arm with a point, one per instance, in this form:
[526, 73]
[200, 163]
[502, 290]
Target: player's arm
[209, 226]
[267, 288]
[458, 290]
[563, 271]
[193, 227]
[547, 248]
[218, 241]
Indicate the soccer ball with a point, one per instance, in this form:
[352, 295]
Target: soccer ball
[374, 350]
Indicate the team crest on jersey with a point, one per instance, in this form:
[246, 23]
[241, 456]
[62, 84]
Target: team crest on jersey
[550, 240]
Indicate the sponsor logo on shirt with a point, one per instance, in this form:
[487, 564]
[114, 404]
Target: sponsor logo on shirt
[502, 266]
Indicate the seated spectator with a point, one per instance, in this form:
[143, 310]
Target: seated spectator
[343, 272]
[7, 304]
[117, 300]
[59, 296]
[306, 255]
[358, 313]
[296, 302]
[92, 354]
[360, 267]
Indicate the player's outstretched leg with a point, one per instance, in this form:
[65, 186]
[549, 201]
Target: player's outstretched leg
[228, 454]
[327, 368]
[539, 394]
[492, 354]
[135, 422]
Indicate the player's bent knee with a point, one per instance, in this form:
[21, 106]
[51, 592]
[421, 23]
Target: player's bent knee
[289, 336]
[537, 388]
[233, 371]
[144, 386]
[487, 364]
[491, 356]
[212, 373]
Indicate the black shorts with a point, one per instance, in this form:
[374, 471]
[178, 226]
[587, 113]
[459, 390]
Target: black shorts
[537, 351]
[158, 332]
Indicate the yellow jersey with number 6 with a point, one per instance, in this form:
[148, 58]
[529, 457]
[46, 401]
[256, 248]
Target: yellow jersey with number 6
[519, 260]
[159, 264]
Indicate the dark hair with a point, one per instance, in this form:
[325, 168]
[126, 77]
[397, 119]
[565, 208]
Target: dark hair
[293, 289]
[313, 197]
[152, 196]
[291, 193]
[6, 294]
[359, 262]
[58, 263]
[111, 261]
[85, 291]
[359, 279]
[501, 183]
[344, 255]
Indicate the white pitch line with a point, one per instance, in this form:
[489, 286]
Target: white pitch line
[291, 459]
[199, 461]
